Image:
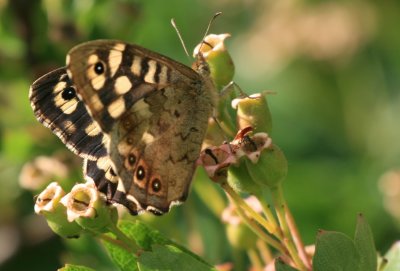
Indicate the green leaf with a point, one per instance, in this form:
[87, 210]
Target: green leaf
[335, 251]
[281, 266]
[71, 267]
[122, 258]
[392, 258]
[144, 236]
[364, 242]
[170, 258]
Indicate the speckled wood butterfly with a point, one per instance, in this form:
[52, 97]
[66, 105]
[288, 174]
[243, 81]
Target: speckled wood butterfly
[148, 119]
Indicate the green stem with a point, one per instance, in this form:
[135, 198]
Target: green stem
[270, 216]
[115, 242]
[257, 230]
[280, 207]
[242, 204]
[256, 262]
[297, 238]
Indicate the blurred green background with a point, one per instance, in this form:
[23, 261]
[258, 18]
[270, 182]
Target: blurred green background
[335, 68]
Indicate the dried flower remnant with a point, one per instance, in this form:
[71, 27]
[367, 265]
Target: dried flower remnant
[48, 204]
[87, 206]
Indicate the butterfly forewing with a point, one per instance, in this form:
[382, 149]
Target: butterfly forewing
[154, 110]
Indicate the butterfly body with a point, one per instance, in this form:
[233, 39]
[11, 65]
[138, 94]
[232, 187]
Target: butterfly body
[139, 122]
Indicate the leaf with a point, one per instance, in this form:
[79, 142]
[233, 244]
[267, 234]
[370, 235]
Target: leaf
[146, 238]
[335, 251]
[281, 266]
[71, 267]
[393, 258]
[122, 258]
[169, 257]
[364, 243]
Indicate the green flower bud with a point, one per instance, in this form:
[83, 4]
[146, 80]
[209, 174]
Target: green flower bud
[240, 180]
[87, 206]
[253, 111]
[271, 167]
[48, 204]
[218, 59]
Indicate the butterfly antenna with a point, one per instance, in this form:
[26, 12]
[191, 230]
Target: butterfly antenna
[180, 37]
[208, 29]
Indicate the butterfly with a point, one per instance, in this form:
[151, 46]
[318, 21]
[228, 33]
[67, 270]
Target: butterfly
[147, 115]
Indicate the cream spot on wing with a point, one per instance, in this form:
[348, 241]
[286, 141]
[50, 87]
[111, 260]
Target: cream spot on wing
[163, 77]
[97, 81]
[149, 77]
[67, 59]
[123, 148]
[136, 65]
[70, 127]
[102, 163]
[92, 59]
[147, 138]
[121, 188]
[93, 129]
[66, 106]
[116, 108]
[60, 86]
[122, 85]
[115, 58]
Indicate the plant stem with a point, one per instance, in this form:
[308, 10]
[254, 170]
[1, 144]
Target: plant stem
[115, 242]
[270, 216]
[280, 207]
[242, 204]
[256, 262]
[257, 230]
[297, 238]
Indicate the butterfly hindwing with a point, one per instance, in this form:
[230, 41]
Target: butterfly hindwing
[155, 112]
[55, 104]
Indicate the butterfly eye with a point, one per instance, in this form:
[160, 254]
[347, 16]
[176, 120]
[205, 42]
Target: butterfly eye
[140, 174]
[68, 93]
[156, 185]
[99, 68]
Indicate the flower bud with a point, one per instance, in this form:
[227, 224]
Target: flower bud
[271, 167]
[240, 180]
[87, 206]
[218, 58]
[253, 111]
[48, 204]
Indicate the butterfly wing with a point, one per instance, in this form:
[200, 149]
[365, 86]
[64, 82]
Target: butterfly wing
[55, 104]
[155, 111]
